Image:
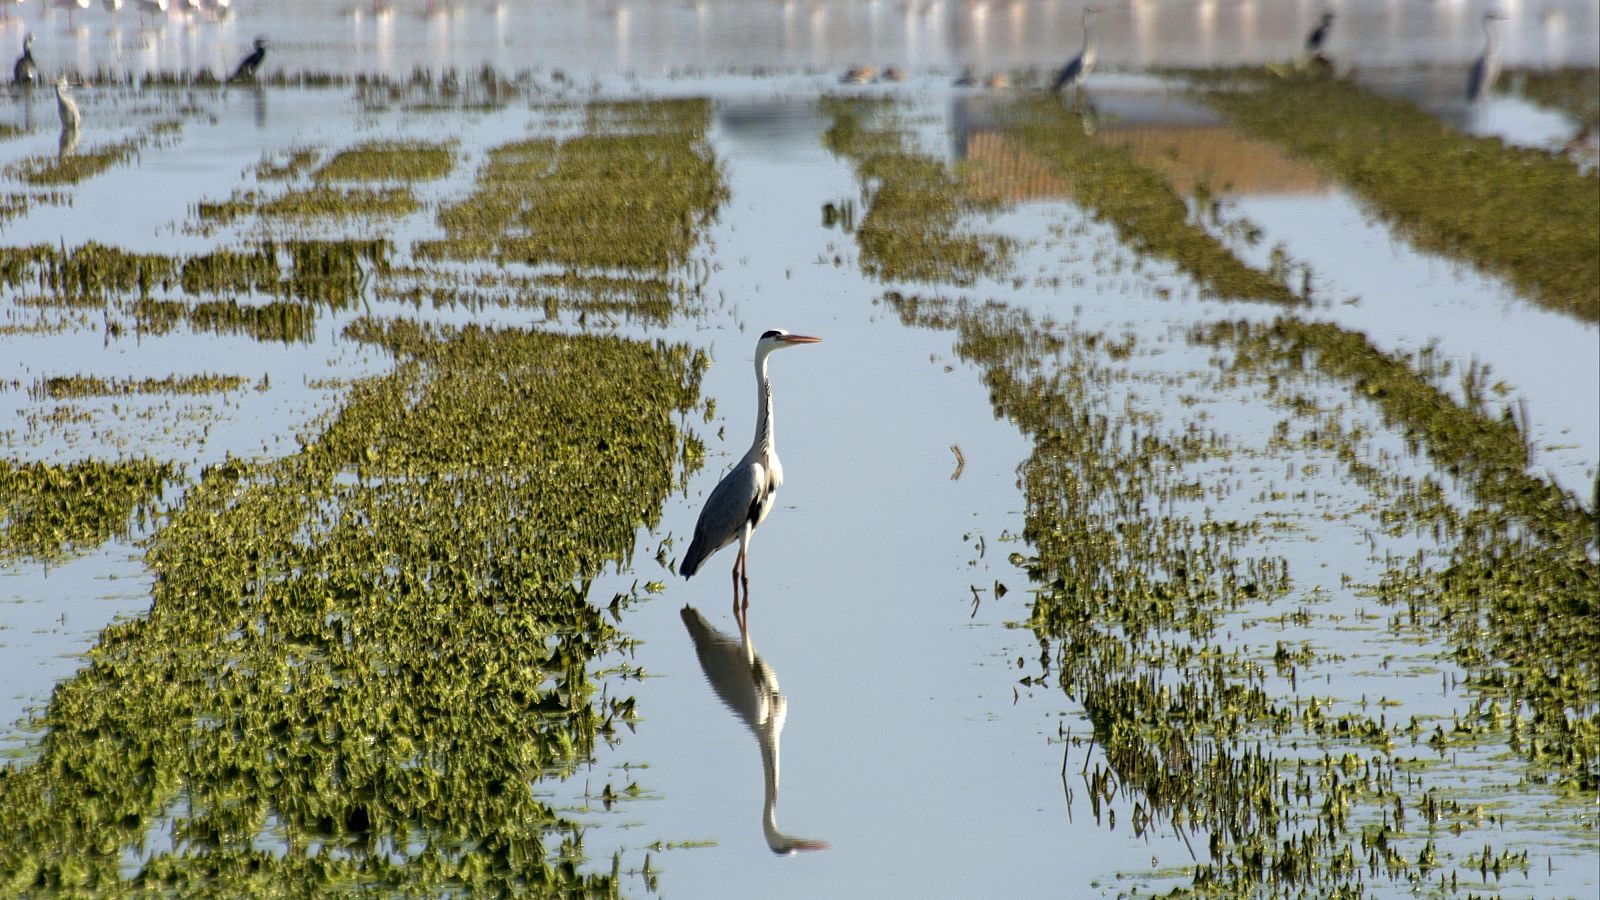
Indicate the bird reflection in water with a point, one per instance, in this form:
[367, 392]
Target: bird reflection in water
[748, 686]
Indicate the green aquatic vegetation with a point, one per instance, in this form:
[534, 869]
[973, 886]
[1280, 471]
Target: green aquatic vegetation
[52, 511]
[1136, 200]
[1143, 595]
[388, 161]
[62, 387]
[322, 202]
[915, 203]
[601, 200]
[283, 321]
[1521, 213]
[71, 168]
[377, 650]
[1519, 591]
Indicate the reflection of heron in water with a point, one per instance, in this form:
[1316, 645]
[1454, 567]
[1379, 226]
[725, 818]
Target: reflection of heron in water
[744, 682]
[742, 499]
[1077, 71]
[1487, 66]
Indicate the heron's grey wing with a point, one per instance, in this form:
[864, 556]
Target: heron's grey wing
[1475, 80]
[724, 515]
[1069, 72]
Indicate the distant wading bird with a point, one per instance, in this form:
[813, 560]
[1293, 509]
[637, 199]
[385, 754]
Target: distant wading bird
[1319, 35]
[66, 107]
[1077, 71]
[249, 65]
[1487, 66]
[26, 71]
[741, 501]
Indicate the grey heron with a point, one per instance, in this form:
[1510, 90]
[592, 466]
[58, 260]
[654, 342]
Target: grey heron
[1077, 71]
[67, 107]
[749, 687]
[248, 66]
[1319, 35]
[1486, 68]
[26, 71]
[742, 499]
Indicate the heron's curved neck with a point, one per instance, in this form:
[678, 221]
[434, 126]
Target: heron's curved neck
[1488, 36]
[764, 436]
[1088, 25]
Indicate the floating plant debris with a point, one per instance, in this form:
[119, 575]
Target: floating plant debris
[376, 648]
[1522, 213]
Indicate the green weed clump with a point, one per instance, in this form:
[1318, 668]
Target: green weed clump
[53, 511]
[388, 161]
[912, 228]
[70, 386]
[633, 195]
[1521, 213]
[376, 650]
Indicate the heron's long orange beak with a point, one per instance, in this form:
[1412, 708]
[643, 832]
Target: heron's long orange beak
[801, 339]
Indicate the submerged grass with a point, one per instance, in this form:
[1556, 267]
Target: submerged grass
[50, 511]
[70, 386]
[1136, 200]
[1521, 213]
[1290, 794]
[388, 161]
[1520, 593]
[915, 203]
[635, 198]
[373, 650]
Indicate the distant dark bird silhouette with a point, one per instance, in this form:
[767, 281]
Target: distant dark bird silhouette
[1319, 35]
[1077, 71]
[249, 65]
[1486, 68]
[26, 71]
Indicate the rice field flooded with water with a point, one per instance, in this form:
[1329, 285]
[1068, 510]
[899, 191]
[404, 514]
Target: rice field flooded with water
[1194, 489]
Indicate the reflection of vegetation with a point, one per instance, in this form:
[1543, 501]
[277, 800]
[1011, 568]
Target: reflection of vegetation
[372, 651]
[388, 161]
[910, 231]
[320, 202]
[290, 164]
[66, 386]
[603, 200]
[330, 272]
[1136, 200]
[1143, 590]
[1519, 563]
[48, 511]
[277, 320]
[1522, 213]
[75, 167]
[1573, 91]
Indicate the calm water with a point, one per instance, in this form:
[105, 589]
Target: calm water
[907, 742]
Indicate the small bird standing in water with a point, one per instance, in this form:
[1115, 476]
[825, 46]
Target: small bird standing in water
[249, 65]
[741, 501]
[26, 71]
[1076, 72]
[66, 107]
[1487, 66]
